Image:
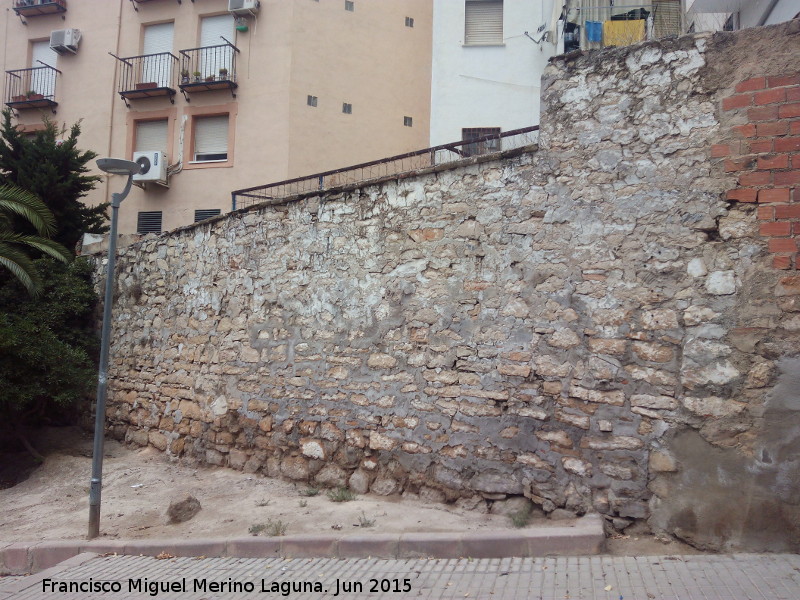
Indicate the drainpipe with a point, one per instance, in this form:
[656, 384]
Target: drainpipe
[766, 14]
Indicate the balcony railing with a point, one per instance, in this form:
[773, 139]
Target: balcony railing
[35, 8]
[147, 76]
[209, 68]
[32, 88]
[393, 166]
[623, 24]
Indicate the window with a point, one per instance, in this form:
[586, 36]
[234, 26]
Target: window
[151, 135]
[483, 147]
[149, 222]
[483, 22]
[312, 101]
[349, 5]
[211, 138]
[213, 33]
[208, 213]
[409, 21]
[157, 41]
[347, 108]
[42, 81]
[408, 121]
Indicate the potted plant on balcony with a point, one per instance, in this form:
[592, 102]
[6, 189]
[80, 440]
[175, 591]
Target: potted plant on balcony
[146, 85]
[209, 78]
[197, 75]
[223, 73]
[184, 75]
[32, 95]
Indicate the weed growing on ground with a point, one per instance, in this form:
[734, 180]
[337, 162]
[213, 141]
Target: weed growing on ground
[303, 503]
[256, 528]
[520, 518]
[270, 528]
[363, 521]
[309, 492]
[263, 503]
[341, 494]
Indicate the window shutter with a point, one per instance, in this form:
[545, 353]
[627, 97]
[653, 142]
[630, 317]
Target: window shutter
[151, 135]
[41, 51]
[42, 81]
[157, 38]
[213, 29]
[210, 136]
[483, 22]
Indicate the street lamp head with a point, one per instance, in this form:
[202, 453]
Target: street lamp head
[119, 166]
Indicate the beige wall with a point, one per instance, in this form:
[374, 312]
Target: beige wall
[367, 57]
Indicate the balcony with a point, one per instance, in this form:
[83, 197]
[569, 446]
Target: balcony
[209, 68]
[147, 76]
[621, 23]
[32, 88]
[36, 8]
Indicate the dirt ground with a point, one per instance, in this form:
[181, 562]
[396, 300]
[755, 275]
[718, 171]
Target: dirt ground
[138, 485]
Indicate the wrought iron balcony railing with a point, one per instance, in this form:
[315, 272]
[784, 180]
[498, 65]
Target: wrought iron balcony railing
[147, 76]
[35, 8]
[622, 23]
[209, 68]
[32, 88]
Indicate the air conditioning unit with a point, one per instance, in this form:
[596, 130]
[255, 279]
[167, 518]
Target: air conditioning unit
[243, 7]
[65, 40]
[154, 167]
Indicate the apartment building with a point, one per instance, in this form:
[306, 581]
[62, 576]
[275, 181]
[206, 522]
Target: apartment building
[489, 55]
[220, 94]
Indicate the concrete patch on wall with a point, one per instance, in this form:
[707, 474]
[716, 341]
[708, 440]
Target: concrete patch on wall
[591, 324]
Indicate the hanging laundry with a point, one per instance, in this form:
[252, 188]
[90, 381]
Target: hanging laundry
[594, 31]
[623, 33]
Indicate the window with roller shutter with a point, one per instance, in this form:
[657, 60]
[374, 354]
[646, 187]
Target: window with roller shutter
[483, 22]
[211, 138]
[151, 135]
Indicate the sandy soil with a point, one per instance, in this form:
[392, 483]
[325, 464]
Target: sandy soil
[138, 485]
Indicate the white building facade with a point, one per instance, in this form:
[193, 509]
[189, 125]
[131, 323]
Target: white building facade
[487, 63]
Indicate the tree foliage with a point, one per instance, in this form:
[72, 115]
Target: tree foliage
[50, 165]
[47, 345]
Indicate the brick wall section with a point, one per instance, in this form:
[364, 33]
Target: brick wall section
[764, 154]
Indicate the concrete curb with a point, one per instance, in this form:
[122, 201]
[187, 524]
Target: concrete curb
[583, 538]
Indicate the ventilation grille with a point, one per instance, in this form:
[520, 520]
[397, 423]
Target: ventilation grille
[202, 215]
[149, 222]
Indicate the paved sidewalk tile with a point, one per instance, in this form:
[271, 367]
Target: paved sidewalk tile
[701, 577]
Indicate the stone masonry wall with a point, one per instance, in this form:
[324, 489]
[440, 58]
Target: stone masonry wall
[585, 324]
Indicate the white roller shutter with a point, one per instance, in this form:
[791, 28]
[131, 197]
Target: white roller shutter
[483, 22]
[211, 138]
[212, 30]
[157, 40]
[43, 80]
[151, 135]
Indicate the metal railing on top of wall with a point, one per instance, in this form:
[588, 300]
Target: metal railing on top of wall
[385, 167]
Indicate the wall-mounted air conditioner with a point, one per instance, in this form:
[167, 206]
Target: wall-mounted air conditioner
[243, 7]
[65, 40]
[154, 167]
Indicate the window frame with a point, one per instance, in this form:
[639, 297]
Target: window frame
[498, 42]
[198, 112]
[133, 118]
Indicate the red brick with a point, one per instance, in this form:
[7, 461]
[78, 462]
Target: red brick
[797, 262]
[786, 211]
[772, 196]
[770, 96]
[783, 245]
[783, 80]
[748, 130]
[793, 94]
[787, 178]
[775, 228]
[720, 150]
[796, 161]
[749, 85]
[760, 147]
[766, 213]
[772, 128]
[795, 128]
[780, 161]
[787, 144]
[740, 164]
[787, 111]
[739, 101]
[743, 195]
[781, 262]
[796, 228]
[755, 178]
[763, 113]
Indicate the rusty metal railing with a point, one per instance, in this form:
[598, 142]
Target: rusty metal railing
[32, 88]
[147, 76]
[385, 167]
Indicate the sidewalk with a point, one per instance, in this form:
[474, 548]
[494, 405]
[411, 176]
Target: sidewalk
[697, 577]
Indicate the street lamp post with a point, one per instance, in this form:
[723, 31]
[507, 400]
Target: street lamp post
[115, 166]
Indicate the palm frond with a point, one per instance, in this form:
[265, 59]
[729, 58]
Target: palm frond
[21, 267]
[18, 201]
[49, 247]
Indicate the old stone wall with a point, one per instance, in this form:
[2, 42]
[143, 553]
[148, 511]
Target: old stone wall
[592, 324]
